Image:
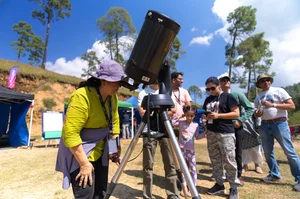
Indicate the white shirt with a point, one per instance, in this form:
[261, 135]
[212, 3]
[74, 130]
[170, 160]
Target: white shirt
[145, 92]
[274, 95]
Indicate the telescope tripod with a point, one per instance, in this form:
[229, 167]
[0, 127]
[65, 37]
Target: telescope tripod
[177, 154]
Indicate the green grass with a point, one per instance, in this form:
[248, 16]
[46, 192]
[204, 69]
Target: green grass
[294, 118]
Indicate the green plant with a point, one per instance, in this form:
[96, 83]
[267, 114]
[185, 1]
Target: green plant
[49, 103]
[46, 87]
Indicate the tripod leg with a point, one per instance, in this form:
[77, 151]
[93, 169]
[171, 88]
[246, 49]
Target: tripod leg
[127, 155]
[178, 170]
[186, 173]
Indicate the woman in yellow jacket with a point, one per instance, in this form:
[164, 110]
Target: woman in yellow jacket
[92, 113]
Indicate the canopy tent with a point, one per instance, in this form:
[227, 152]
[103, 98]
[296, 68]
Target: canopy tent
[14, 107]
[123, 104]
[133, 100]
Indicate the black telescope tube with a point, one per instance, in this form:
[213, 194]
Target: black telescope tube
[151, 48]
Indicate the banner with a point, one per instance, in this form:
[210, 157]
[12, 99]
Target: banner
[12, 77]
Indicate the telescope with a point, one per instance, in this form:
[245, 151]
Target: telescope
[146, 65]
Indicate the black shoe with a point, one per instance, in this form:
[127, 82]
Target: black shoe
[216, 189]
[233, 193]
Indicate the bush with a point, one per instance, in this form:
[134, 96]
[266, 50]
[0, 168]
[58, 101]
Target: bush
[46, 88]
[49, 103]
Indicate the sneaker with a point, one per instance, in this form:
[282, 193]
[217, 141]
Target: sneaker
[297, 186]
[233, 194]
[216, 189]
[270, 178]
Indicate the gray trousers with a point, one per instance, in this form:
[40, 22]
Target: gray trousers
[221, 150]
[169, 167]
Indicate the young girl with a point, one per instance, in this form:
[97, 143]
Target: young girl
[188, 130]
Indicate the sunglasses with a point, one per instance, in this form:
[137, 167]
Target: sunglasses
[210, 89]
[264, 80]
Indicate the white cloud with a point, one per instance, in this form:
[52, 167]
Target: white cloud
[74, 67]
[205, 40]
[194, 29]
[280, 20]
[204, 32]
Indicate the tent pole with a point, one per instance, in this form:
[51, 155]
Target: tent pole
[30, 127]
[132, 122]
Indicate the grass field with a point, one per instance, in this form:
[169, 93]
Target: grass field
[29, 174]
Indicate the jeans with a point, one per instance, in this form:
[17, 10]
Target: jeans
[281, 132]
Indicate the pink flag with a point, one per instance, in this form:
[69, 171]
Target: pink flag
[12, 77]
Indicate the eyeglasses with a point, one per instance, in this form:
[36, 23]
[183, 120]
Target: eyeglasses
[210, 89]
[264, 80]
[179, 79]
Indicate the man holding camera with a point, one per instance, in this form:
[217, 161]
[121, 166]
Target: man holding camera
[149, 148]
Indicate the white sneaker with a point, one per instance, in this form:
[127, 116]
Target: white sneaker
[297, 186]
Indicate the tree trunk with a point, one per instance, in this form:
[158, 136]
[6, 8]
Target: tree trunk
[249, 84]
[110, 50]
[117, 48]
[46, 45]
[255, 88]
[231, 53]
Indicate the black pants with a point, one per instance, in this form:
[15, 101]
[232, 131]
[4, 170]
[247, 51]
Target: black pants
[239, 135]
[95, 191]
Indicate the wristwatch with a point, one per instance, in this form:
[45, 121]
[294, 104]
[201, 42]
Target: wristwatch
[274, 105]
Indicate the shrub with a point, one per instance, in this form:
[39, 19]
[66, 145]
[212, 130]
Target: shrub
[49, 103]
[46, 88]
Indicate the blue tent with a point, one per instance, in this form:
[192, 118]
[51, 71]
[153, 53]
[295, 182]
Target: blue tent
[14, 107]
[133, 100]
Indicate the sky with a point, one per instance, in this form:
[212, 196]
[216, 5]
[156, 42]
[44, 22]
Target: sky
[203, 34]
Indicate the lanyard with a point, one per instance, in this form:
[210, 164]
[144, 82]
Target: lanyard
[177, 98]
[108, 119]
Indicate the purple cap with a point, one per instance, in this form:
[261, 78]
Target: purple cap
[110, 71]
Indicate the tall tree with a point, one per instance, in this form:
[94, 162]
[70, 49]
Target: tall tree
[175, 53]
[256, 57]
[195, 92]
[24, 30]
[36, 50]
[92, 60]
[51, 11]
[115, 24]
[242, 22]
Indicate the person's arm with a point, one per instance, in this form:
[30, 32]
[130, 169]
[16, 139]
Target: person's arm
[234, 110]
[287, 104]
[233, 114]
[244, 102]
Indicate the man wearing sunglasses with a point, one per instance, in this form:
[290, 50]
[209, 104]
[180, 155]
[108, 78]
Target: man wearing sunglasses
[238, 123]
[272, 105]
[220, 109]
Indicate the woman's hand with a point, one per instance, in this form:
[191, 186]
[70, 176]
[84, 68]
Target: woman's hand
[237, 124]
[213, 115]
[85, 174]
